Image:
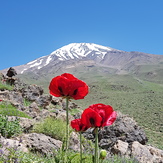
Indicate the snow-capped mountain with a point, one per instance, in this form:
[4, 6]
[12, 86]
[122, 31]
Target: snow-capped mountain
[88, 55]
[73, 51]
[80, 50]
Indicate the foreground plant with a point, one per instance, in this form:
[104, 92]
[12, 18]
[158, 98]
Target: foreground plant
[79, 127]
[69, 87]
[98, 116]
[9, 128]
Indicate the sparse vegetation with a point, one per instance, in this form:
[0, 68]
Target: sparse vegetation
[138, 98]
[20, 157]
[5, 86]
[139, 95]
[9, 128]
[27, 102]
[9, 110]
[52, 127]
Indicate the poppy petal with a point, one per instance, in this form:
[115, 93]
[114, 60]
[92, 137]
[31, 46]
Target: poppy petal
[69, 76]
[79, 89]
[77, 125]
[110, 120]
[53, 87]
[91, 118]
[106, 112]
[68, 85]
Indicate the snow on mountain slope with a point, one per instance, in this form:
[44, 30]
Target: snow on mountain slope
[69, 52]
[86, 55]
[75, 53]
[78, 50]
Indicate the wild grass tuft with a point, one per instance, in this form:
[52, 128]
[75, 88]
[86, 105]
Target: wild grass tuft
[9, 110]
[5, 86]
[55, 128]
[9, 128]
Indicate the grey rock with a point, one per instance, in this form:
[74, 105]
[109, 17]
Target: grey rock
[44, 100]
[13, 97]
[31, 92]
[26, 124]
[124, 129]
[120, 148]
[144, 155]
[156, 153]
[7, 144]
[74, 142]
[41, 143]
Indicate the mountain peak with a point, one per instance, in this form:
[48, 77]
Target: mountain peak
[73, 51]
[79, 50]
[92, 54]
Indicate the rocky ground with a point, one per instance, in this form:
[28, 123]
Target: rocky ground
[124, 138]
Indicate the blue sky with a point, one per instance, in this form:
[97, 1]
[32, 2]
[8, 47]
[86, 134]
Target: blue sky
[30, 29]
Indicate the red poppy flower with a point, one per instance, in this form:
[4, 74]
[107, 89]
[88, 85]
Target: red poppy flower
[67, 85]
[98, 115]
[77, 125]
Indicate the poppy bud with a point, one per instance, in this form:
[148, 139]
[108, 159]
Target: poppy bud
[103, 154]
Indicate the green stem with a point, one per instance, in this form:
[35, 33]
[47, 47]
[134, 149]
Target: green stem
[80, 147]
[67, 124]
[96, 146]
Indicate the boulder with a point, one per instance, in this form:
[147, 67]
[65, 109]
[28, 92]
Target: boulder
[11, 72]
[13, 97]
[157, 153]
[146, 154]
[120, 148]
[26, 124]
[74, 143]
[31, 92]
[7, 144]
[33, 110]
[44, 100]
[124, 129]
[41, 143]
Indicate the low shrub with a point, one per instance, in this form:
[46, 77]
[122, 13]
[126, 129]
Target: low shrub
[9, 128]
[55, 128]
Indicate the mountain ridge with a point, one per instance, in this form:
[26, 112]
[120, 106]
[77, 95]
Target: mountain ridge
[90, 52]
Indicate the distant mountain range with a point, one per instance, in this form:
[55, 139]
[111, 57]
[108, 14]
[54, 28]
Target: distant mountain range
[80, 57]
[91, 54]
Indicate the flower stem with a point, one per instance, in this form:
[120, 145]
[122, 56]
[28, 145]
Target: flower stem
[80, 147]
[96, 158]
[67, 124]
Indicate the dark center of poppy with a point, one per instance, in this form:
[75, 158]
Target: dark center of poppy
[75, 92]
[80, 127]
[61, 91]
[92, 121]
